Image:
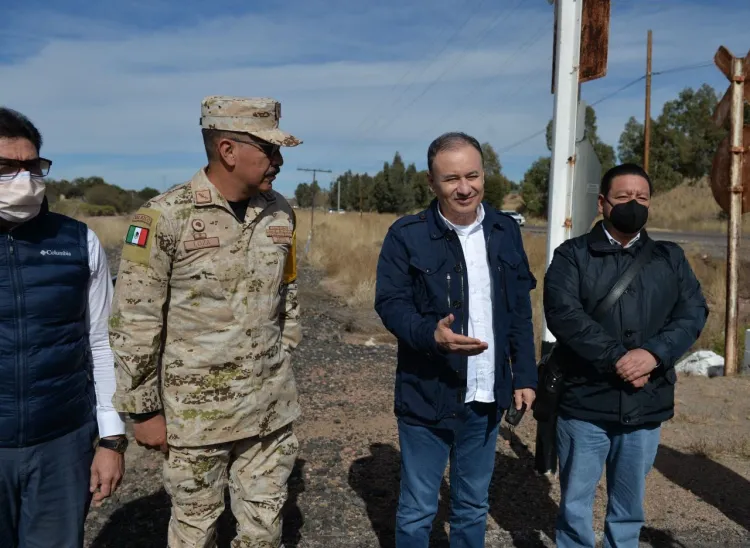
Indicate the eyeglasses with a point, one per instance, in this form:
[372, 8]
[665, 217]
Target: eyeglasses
[9, 167]
[269, 149]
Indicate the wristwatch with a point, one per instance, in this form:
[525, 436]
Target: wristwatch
[119, 443]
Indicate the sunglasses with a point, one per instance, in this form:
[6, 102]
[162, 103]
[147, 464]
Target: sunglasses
[9, 167]
[269, 149]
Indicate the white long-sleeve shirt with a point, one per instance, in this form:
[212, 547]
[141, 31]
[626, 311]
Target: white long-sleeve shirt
[100, 292]
[480, 375]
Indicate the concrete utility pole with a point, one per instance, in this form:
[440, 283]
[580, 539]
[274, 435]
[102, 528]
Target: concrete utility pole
[565, 117]
[312, 208]
[647, 118]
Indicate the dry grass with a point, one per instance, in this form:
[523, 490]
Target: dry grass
[110, 230]
[346, 247]
[715, 447]
[690, 208]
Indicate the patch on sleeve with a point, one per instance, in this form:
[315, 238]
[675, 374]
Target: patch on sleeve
[280, 234]
[290, 267]
[140, 236]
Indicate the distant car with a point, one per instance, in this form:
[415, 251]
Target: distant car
[520, 219]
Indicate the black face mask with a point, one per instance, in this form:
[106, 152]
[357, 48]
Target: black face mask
[629, 217]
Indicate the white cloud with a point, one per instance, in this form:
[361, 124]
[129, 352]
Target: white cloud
[102, 88]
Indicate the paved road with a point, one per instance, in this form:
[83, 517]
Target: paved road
[711, 243]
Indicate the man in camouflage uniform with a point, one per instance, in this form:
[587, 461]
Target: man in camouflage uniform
[204, 320]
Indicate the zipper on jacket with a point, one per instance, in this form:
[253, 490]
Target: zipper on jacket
[448, 283]
[464, 305]
[19, 359]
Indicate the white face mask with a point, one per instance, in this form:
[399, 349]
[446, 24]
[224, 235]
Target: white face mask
[21, 197]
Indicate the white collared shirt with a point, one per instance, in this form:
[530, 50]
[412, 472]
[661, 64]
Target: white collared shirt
[480, 377]
[615, 242]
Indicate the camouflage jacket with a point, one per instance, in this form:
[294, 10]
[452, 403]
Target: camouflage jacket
[205, 315]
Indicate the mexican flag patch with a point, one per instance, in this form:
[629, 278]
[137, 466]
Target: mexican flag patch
[137, 236]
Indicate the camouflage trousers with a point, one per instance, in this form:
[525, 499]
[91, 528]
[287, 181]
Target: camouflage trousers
[256, 470]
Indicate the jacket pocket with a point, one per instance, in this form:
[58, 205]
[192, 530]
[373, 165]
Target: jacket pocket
[432, 287]
[508, 267]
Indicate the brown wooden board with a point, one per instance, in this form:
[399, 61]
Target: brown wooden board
[594, 40]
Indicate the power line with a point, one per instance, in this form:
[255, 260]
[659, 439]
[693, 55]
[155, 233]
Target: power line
[512, 57]
[683, 68]
[522, 141]
[620, 90]
[451, 66]
[609, 96]
[366, 119]
[370, 126]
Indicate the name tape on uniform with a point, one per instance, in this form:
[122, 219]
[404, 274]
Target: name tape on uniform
[280, 234]
[203, 243]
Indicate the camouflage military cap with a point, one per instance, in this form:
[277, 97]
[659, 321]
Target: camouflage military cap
[258, 116]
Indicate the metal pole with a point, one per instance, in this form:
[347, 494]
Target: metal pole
[312, 207]
[559, 218]
[563, 130]
[735, 215]
[647, 118]
[338, 202]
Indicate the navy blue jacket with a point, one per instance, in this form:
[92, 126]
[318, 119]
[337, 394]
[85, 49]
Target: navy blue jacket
[663, 311]
[45, 366]
[421, 278]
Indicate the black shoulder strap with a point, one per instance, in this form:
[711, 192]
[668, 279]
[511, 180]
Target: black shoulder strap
[625, 280]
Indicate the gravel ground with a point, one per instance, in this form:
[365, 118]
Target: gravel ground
[344, 488]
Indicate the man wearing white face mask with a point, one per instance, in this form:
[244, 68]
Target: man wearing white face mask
[56, 364]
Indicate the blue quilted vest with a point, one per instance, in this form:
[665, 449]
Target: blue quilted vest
[46, 381]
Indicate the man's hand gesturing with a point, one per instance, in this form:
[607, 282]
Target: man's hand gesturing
[449, 342]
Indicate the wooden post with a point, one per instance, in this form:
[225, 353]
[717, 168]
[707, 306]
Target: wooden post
[735, 214]
[647, 118]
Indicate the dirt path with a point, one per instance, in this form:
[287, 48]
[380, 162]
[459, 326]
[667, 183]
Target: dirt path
[345, 486]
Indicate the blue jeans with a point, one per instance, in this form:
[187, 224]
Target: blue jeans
[583, 448]
[44, 491]
[424, 454]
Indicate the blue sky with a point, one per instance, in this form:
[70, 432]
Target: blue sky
[115, 87]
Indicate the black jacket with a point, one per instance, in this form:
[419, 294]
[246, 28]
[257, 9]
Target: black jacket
[663, 311]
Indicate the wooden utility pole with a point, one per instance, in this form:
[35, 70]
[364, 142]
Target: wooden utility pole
[312, 208]
[729, 182]
[647, 118]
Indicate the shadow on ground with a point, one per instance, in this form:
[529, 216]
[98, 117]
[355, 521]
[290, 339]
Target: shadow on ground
[375, 479]
[143, 523]
[714, 483]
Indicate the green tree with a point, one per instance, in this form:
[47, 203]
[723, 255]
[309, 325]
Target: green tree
[496, 185]
[148, 193]
[630, 146]
[535, 187]
[303, 195]
[687, 125]
[420, 185]
[108, 195]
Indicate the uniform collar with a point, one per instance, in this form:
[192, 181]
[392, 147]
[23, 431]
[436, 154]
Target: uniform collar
[206, 194]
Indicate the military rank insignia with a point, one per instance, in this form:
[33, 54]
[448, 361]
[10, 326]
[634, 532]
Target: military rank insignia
[137, 236]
